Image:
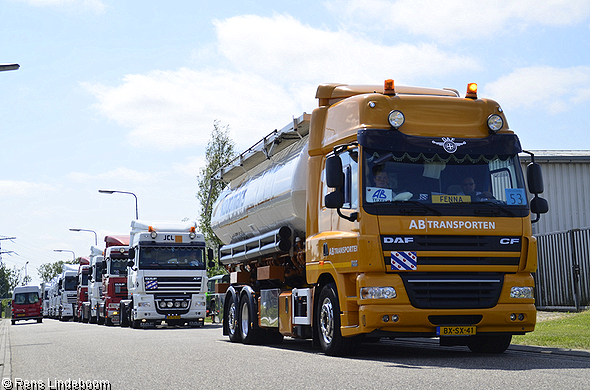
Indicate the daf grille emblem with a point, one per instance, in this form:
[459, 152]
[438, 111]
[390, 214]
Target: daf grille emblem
[449, 144]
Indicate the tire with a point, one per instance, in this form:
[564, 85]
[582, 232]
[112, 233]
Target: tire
[13, 322]
[489, 343]
[39, 320]
[248, 332]
[93, 320]
[231, 317]
[327, 322]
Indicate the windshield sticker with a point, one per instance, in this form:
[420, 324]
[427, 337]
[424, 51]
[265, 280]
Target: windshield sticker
[404, 261]
[451, 199]
[376, 194]
[424, 224]
[515, 196]
[449, 144]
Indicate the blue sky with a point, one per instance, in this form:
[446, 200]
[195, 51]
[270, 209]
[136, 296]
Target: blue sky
[123, 94]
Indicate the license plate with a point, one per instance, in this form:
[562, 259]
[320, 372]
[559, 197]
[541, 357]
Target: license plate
[455, 330]
[172, 317]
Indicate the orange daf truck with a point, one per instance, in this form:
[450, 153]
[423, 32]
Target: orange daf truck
[389, 212]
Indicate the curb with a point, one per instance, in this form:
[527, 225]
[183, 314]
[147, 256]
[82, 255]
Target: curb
[5, 366]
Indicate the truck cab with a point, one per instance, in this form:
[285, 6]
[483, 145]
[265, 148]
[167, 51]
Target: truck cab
[94, 285]
[82, 291]
[114, 279]
[167, 275]
[67, 292]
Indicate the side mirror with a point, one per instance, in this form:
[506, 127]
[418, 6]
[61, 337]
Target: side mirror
[334, 175]
[539, 205]
[132, 253]
[210, 257]
[334, 200]
[534, 178]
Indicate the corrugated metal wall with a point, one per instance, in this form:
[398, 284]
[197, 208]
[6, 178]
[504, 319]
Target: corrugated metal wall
[563, 276]
[567, 189]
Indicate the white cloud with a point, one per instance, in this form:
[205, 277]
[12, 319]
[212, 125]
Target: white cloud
[454, 20]
[19, 188]
[96, 6]
[283, 48]
[170, 109]
[276, 65]
[543, 88]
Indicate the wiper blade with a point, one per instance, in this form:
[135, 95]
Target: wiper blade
[423, 210]
[495, 205]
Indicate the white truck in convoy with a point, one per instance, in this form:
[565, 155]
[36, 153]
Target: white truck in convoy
[166, 276]
[67, 292]
[90, 308]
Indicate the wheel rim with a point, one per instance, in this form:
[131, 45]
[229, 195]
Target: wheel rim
[245, 320]
[232, 320]
[327, 321]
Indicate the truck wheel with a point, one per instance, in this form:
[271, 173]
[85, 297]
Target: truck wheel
[39, 320]
[490, 343]
[13, 322]
[92, 320]
[327, 322]
[232, 320]
[248, 333]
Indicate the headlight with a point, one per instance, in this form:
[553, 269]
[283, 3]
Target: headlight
[378, 293]
[396, 119]
[495, 123]
[162, 304]
[143, 304]
[170, 304]
[184, 304]
[522, 292]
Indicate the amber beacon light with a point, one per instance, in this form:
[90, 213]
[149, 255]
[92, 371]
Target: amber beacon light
[471, 91]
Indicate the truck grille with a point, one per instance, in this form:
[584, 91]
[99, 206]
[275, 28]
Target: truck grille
[453, 291]
[506, 249]
[191, 285]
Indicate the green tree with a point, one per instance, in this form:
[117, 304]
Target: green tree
[48, 271]
[219, 152]
[9, 279]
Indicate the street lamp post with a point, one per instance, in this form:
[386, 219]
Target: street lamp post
[87, 230]
[123, 192]
[66, 250]
[4, 67]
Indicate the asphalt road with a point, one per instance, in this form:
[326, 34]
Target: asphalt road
[47, 355]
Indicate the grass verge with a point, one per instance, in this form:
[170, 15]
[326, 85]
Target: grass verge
[571, 332]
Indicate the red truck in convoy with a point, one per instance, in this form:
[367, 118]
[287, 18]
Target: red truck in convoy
[114, 279]
[82, 290]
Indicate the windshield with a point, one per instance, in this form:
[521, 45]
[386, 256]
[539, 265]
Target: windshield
[118, 266]
[168, 257]
[71, 283]
[437, 181]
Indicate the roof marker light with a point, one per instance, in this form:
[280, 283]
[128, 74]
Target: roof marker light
[389, 87]
[471, 91]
